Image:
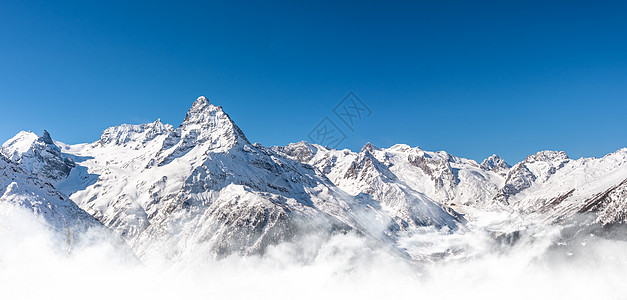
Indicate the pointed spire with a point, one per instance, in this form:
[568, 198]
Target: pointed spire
[45, 137]
[210, 122]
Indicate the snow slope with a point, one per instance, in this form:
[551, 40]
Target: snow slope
[20, 188]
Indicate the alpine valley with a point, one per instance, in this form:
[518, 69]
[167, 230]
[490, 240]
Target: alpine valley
[204, 187]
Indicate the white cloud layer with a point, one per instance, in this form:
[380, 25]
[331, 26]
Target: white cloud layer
[36, 263]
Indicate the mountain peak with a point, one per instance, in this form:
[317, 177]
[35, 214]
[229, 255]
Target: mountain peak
[209, 125]
[369, 147]
[203, 112]
[494, 163]
[201, 101]
[547, 156]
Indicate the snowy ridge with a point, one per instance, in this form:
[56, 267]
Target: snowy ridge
[363, 175]
[439, 176]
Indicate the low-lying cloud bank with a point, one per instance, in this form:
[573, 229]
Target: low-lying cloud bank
[37, 262]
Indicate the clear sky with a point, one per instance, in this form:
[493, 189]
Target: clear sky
[469, 78]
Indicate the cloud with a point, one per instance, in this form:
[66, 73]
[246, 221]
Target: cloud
[36, 263]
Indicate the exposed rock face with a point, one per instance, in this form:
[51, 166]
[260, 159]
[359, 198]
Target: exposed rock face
[45, 137]
[518, 179]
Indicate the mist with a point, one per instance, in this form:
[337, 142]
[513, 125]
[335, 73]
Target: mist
[543, 262]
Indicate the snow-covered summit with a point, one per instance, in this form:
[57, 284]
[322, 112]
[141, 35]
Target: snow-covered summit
[495, 163]
[211, 123]
[547, 156]
[369, 147]
[19, 144]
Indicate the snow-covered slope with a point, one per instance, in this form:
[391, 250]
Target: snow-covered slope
[19, 187]
[555, 187]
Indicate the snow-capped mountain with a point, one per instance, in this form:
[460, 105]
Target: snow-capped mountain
[363, 175]
[437, 176]
[537, 168]
[203, 186]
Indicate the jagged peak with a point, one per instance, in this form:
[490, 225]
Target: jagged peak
[547, 156]
[494, 162]
[202, 101]
[369, 147]
[366, 161]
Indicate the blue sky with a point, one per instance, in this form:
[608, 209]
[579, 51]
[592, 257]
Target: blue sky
[469, 78]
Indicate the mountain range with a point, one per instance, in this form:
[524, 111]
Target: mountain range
[204, 186]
